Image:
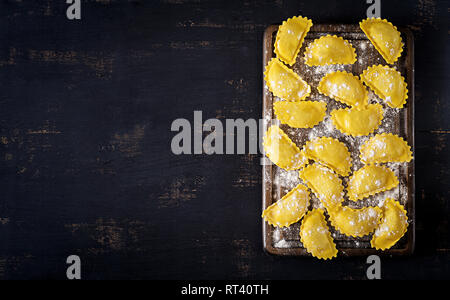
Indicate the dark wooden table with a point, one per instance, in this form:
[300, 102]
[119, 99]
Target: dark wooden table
[85, 161]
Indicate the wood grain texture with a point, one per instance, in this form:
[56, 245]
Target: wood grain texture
[85, 161]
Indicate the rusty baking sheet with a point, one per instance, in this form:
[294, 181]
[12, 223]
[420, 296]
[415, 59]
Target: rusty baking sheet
[277, 182]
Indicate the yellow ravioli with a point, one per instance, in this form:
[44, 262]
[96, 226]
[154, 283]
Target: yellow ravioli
[370, 180]
[387, 83]
[331, 153]
[344, 87]
[385, 37]
[358, 122]
[384, 148]
[316, 237]
[304, 114]
[290, 37]
[393, 226]
[290, 209]
[285, 83]
[330, 50]
[280, 149]
[326, 185]
[355, 222]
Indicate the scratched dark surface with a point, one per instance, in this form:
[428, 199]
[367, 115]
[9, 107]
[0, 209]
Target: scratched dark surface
[85, 161]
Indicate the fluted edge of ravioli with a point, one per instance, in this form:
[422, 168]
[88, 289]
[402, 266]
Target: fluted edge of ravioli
[294, 190]
[401, 209]
[348, 159]
[389, 60]
[403, 159]
[286, 118]
[302, 159]
[328, 235]
[379, 93]
[267, 80]
[299, 46]
[353, 196]
[335, 199]
[357, 105]
[309, 50]
[336, 224]
[347, 131]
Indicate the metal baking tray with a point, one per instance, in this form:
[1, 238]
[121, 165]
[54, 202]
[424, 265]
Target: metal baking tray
[277, 182]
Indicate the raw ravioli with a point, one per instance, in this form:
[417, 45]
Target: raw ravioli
[285, 83]
[331, 153]
[316, 237]
[290, 209]
[355, 222]
[393, 226]
[385, 37]
[326, 185]
[344, 87]
[358, 122]
[290, 37]
[371, 180]
[384, 148]
[387, 83]
[282, 151]
[330, 50]
[304, 114]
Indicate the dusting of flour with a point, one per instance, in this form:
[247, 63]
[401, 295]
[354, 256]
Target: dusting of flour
[283, 181]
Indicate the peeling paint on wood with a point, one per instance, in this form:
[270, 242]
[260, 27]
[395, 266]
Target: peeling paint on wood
[129, 143]
[180, 191]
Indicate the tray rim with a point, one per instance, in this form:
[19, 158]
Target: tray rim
[267, 193]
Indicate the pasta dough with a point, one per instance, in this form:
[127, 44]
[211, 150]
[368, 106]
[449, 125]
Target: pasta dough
[304, 114]
[326, 185]
[285, 83]
[384, 148]
[344, 87]
[370, 180]
[385, 37]
[282, 151]
[393, 226]
[290, 37]
[358, 122]
[331, 153]
[355, 222]
[388, 84]
[330, 50]
[290, 209]
[316, 237]
[323, 161]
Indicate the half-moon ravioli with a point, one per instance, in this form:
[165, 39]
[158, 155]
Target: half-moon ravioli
[290, 37]
[384, 148]
[387, 83]
[393, 226]
[385, 37]
[331, 153]
[326, 185]
[344, 87]
[304, 114]
[355, 222]
[316, 237]
[289, 209]
[330, 50]
[356, 122]
[282, 151]
[371, 180]
[285, 83]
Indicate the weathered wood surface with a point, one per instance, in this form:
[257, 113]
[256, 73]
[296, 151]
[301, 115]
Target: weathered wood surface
[85, 161]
